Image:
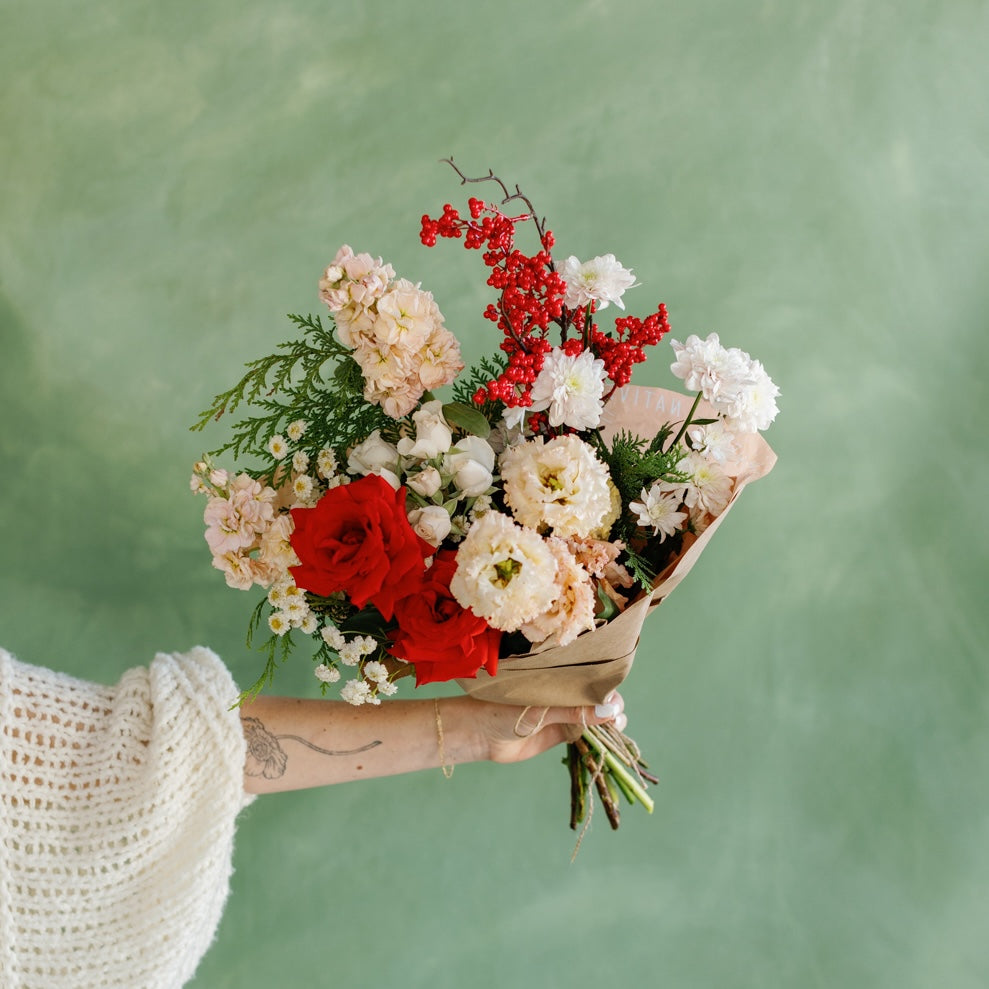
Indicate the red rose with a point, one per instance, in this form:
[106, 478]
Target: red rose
[357, 539]
[442, 639]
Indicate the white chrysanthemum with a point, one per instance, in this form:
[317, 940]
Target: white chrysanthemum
[572, 610]
[505, 573]
[326, 463]
[708, 367]
[333, 637]
[570, 389]
[755, 406]
[279, 622]
[710, 487]
[715, 440]
[296, 430]
[602, 279]
[659, 510]
[309, 624]
[327, 674]
[558, 484]
[387, 688]
[300, 461]
[277, 446]
[356, 692]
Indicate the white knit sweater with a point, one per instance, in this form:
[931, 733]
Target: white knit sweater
[117, 809]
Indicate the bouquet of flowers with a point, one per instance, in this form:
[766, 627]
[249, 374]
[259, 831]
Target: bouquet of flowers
[513, 537]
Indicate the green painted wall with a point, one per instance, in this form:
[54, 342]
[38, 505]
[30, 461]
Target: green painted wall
[809, 179]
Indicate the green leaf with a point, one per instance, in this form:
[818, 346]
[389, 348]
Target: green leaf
[467, 418]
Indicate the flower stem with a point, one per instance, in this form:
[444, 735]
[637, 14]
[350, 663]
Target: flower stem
[628, 782]
[686, 422]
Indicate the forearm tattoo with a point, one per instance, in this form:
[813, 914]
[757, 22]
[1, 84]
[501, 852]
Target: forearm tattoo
[265, 757]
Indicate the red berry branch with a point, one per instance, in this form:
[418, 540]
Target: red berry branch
[531, 294]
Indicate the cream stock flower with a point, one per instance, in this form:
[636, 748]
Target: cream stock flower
[354, 282]
[559, 484]
[234, 523]
[505, 573]
[570, 389]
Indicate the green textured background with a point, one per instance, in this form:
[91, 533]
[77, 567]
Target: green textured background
[809, 179]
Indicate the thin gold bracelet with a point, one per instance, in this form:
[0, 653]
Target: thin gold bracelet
[447, 770]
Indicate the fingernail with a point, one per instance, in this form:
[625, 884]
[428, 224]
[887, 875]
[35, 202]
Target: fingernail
[605, 710]
[621, 722]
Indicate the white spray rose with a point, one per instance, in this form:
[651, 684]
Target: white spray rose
[426, 483]
[471, 462]
[431, 523]
[433, 435]
[371, 456]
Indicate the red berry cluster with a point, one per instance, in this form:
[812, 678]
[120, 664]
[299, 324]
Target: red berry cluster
[619, 355]
[531, 297]
[531, 292]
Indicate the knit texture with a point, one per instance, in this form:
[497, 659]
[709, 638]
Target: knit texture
[117, 808]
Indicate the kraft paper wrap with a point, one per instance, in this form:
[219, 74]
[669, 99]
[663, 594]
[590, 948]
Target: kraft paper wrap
[588, 669]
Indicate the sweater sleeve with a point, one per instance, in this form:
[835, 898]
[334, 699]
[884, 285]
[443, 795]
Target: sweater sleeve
[117, 811]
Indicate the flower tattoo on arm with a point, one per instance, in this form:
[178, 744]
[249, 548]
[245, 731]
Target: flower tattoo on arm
[265, 757]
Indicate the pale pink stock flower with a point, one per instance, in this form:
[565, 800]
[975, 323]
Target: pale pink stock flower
[354, 280]
[234, 523]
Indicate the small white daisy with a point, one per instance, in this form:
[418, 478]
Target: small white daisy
[327, 674]
[277, 446]
[296, 429]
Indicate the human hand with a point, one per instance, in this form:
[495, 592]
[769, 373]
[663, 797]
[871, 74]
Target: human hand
[510, 733]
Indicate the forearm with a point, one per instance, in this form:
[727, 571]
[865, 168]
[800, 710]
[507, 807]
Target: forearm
[295, 743]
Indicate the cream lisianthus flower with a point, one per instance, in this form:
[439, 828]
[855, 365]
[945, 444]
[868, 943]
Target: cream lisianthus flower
[560, 485]
[572, 610]
[505, 573]
[602, 279]
[570, 389]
